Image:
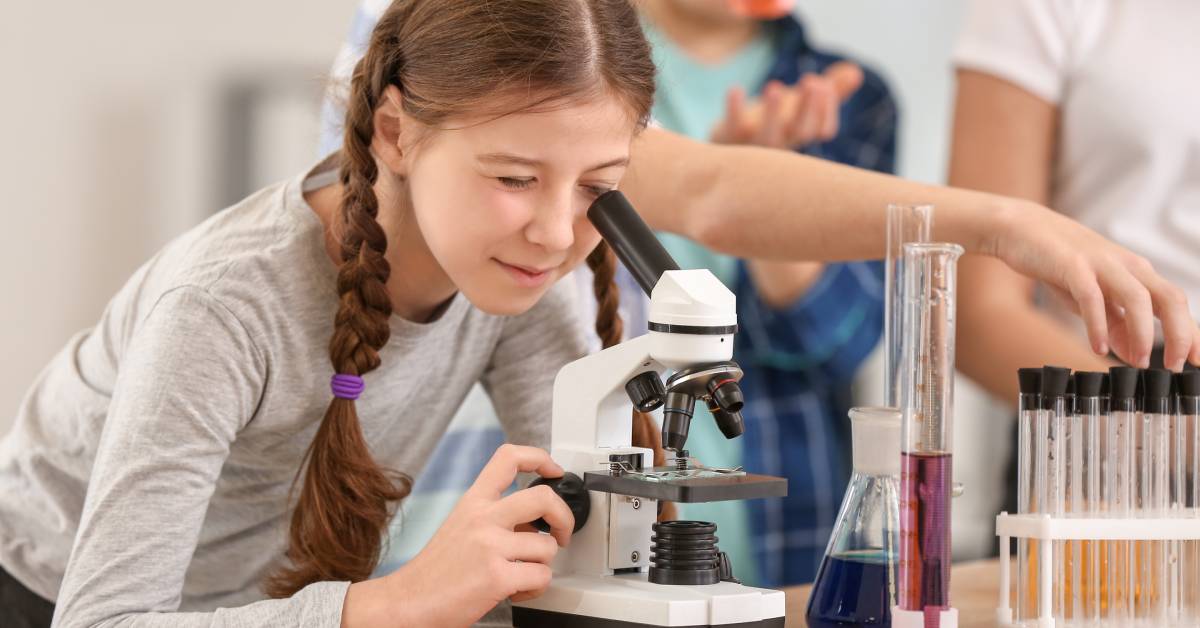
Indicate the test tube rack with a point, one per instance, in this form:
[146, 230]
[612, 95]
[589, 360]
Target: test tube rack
[1042, 527]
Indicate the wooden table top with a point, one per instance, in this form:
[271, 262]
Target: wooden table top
[975, 587]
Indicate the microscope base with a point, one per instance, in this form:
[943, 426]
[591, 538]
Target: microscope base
[630, 601]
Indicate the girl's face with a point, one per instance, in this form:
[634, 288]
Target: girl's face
[501, 204]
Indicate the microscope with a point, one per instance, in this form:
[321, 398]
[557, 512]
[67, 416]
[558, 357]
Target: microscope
[623, 568]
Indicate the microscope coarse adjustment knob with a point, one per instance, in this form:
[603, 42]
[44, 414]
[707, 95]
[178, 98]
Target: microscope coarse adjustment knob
[646, 391]
[570, 488]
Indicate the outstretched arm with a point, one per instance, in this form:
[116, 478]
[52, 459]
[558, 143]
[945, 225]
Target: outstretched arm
[765, 203]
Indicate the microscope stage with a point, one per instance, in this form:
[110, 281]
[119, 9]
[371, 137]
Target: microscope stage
[711, 487]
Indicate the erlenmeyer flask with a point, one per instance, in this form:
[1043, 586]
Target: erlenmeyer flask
[856, 584]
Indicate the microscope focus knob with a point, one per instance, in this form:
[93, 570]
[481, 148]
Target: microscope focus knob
[570, 488]
[646, 391]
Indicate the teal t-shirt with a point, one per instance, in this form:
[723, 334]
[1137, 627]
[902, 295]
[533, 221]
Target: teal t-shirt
[691, 100]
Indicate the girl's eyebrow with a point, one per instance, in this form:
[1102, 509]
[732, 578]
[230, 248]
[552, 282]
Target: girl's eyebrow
[509, 158]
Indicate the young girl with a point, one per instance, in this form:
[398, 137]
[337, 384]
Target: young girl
[477, 133]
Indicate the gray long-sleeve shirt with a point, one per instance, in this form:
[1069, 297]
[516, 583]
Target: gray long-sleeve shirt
[184, 414]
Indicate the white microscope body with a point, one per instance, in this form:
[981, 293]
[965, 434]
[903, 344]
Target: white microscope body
[600, 579]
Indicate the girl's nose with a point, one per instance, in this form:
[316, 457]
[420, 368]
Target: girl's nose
[553, 226]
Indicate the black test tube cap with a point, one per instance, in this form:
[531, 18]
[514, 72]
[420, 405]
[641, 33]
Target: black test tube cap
[1187, 383]
[1124, 382]
[1029, 381]
[1156, 388]
[1088, 383]
[1054, 384]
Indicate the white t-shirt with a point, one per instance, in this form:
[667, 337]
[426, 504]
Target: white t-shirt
[1123, 75]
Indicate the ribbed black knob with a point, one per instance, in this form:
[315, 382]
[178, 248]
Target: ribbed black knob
[646, 391]
[570, 488]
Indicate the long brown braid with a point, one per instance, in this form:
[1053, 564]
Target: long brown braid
[343, 488]
[448, 58]
[610, 328]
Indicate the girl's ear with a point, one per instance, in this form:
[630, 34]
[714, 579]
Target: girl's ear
[391, 124]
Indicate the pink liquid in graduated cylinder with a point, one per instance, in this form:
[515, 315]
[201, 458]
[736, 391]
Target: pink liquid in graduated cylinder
[925, 535]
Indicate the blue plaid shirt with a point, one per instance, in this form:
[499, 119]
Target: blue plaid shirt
[798, 361]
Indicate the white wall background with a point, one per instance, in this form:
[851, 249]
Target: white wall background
[113, 144]
[110, 120]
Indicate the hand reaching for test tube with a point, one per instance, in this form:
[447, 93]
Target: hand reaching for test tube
[483, 553]
[1117, 293]
[789, 116]
[775, 204]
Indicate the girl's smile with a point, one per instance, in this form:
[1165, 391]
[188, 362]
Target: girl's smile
[525, 276]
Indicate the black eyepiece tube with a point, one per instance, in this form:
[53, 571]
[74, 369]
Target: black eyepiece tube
[633, 242]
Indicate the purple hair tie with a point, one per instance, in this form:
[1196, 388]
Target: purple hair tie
[346, 386]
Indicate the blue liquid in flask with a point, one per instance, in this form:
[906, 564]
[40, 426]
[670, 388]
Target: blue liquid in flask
[851, 589]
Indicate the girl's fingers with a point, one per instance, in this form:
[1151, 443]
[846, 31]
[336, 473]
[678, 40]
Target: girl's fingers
[509, 460]
[537, 502]
[521, 596]
[532, 547]
[528, 578]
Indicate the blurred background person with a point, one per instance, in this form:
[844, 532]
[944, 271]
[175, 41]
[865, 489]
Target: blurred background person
[1080, 106]
[730, 75]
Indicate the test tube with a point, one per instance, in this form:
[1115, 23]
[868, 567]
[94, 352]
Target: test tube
[1176, 500]
[1103, 465]
[1029, 381]
[1153, 492]
[1087, 444]
[1051, 427]
[927, 406]
[906, 224]
[1122, 426]
[1188, 413]
[1072, 477]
